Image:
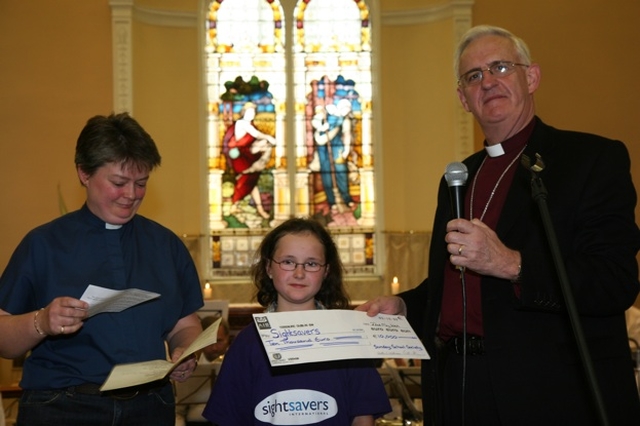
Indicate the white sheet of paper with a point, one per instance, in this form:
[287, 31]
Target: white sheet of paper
[101, 299]
[326, 335]
[138, 373]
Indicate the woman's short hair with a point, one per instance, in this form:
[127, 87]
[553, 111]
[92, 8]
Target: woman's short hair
[117, 138]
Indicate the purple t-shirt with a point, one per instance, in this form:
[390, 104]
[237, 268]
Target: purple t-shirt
[248, 391]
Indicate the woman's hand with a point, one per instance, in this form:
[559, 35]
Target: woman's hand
[184, 370]
[64, 315]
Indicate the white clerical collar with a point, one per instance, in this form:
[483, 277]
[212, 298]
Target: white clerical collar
[111, 226]
[494, 150]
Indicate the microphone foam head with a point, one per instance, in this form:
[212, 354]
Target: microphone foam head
[456, 174]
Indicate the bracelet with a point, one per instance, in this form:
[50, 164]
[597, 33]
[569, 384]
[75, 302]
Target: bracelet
[517, 278]
[35, 322]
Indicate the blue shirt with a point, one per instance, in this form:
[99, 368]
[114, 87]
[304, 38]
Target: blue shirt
[62, 257]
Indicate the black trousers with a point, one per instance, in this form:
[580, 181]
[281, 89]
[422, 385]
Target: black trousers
[467, 393]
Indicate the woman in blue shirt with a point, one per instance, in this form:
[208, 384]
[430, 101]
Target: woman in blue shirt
[107, 244]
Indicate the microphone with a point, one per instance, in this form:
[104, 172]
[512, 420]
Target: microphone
[456, 175]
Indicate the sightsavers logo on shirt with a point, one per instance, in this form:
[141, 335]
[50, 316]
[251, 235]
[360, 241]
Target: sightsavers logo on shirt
[296, 407]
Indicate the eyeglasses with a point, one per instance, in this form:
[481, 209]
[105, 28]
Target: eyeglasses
[499, 69]
[290, 265]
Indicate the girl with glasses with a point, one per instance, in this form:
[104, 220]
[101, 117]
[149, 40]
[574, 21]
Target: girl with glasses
[298, 269]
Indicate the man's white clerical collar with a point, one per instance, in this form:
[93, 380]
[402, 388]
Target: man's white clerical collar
[111, 226]
[494, 150]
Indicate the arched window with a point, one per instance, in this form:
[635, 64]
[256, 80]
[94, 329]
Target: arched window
[289, 126]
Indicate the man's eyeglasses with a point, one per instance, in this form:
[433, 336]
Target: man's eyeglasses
[290, 265]
[499, 69]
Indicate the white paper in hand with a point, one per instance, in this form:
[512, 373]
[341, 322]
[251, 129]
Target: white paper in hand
[102, 299]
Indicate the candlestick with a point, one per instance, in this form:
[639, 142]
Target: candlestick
[208, 291]
[395, 286]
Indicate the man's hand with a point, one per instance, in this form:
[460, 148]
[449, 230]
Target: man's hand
[392, 305]
[475, 246]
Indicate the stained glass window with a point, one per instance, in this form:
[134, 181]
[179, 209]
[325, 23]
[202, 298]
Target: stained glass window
[267, 162]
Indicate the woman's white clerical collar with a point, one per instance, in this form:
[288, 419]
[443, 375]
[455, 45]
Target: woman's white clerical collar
[494, 150]
[111, 226]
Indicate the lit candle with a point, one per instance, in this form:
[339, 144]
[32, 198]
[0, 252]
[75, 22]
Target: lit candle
[208, 291]
[395, 286]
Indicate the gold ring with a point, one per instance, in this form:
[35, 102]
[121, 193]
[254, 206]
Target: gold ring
[460, 249]
[62, 329]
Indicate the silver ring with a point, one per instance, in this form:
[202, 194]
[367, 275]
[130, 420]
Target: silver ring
[62, 329]
[182, 374]
[460, 249]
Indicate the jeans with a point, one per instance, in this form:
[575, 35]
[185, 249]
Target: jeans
[67, 408]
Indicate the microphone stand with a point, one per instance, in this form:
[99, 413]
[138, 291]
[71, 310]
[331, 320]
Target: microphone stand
[539, 194]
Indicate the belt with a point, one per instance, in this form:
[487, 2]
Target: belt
[475, 345]
[124, 393]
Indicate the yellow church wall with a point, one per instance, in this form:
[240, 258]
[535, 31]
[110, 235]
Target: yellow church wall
[57, 72]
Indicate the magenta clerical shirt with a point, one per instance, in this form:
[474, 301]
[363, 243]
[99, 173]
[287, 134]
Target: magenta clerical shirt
[488, 210]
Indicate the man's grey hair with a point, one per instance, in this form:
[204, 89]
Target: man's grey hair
[475, 33]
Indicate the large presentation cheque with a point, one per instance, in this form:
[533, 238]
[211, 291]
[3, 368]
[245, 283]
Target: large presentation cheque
[327, 335]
